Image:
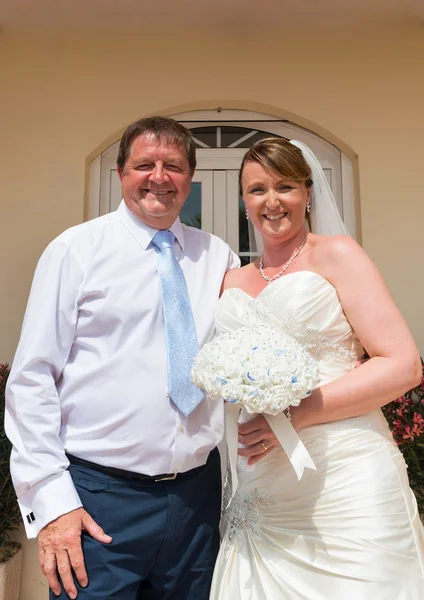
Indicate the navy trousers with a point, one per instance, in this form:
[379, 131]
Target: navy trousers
[165, 535]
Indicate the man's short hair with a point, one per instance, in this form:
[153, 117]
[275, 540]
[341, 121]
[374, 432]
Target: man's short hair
[163, 128]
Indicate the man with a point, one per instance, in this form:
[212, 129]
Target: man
[114, 451]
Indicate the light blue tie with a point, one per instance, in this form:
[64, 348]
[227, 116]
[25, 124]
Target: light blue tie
[182, 344]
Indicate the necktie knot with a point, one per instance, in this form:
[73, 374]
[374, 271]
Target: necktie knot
[163, 239]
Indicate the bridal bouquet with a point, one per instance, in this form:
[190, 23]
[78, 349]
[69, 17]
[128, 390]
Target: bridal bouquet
[263, 369]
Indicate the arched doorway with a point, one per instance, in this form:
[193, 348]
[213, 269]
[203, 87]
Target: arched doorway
[222, 138]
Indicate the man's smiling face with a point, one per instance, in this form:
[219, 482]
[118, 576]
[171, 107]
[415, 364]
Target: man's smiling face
[155, 181]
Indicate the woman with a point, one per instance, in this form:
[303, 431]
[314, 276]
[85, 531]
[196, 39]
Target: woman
[349, 529]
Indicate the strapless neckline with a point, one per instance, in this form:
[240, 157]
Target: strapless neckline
[274, 284]
[305, 305]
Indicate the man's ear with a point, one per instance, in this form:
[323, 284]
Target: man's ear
[119, 172]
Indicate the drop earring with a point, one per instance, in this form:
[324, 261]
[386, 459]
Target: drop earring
[308, 207]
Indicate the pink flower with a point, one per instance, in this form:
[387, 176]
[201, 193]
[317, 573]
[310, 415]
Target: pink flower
[412, 432]
[400, 400]
[418, 419]
[409, 434]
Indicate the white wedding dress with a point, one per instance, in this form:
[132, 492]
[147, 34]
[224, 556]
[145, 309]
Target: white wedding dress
[347, 531]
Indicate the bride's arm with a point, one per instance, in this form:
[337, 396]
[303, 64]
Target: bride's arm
[394, 366]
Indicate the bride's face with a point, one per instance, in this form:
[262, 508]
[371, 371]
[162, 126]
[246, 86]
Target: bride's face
[276, 206]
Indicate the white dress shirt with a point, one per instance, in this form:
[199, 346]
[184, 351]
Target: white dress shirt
[90, 372]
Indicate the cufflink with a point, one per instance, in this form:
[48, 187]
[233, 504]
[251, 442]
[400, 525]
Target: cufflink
[30, 518]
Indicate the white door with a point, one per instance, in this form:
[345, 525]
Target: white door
[215, 194]
[214, 204]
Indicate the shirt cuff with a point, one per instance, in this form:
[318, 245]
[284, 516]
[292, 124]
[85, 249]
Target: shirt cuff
[48, 500]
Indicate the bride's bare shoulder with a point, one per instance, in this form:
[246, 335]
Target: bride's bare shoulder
[337, 255]
[334, 247]
[236, 277]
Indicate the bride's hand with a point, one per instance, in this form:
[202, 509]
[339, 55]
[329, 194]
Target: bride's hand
[258, 438]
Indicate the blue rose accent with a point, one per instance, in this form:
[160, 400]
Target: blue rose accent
[256, 392]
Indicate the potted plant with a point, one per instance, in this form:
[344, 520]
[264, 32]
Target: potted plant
[406, 419]
[10, 517]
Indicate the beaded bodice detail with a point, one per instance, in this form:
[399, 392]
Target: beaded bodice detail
[307, 307]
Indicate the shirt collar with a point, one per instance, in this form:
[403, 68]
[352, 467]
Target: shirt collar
[144, 233]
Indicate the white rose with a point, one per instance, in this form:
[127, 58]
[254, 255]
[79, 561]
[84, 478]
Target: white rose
[232, 367]
[253, 399]
[256, 375]
[231, 393]
[211, 384]
[279, 399]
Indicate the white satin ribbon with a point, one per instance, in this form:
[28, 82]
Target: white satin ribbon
[232, 413]
[291, 443]
[284, 432]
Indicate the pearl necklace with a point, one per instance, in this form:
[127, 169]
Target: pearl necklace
[286, 266]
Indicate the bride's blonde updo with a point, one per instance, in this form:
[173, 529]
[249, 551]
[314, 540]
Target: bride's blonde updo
[280, 157]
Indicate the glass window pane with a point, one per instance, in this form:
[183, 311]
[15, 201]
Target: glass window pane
[261, 135]
[191, 213]
[229, 135]
[247, 241]
[244, 245]
[207, 135]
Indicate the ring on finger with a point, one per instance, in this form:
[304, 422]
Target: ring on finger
[264, 447]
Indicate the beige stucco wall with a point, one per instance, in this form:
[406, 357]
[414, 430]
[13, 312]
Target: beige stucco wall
[63, 96]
